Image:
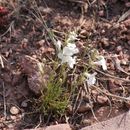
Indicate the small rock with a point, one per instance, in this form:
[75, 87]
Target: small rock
[86, 122]
[116, 26]
[94, 93]
[10, 126]
[69, 109]
[83, 32]
[107, 25]
[119, 48]
[101, 13]
[128, 42]
[113, 1]
[84, 108]
[105, 42]
[13, 117]
[127, 22]
[127, 104]
[102, 99]
[103, 31]
[40, 43]
[14, 110]
[127, 4]
[24, 43]
[24, 104]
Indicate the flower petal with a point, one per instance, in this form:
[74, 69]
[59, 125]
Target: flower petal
[91, 79]
[60, 55]
[101, 62]
[58, 45]
[72, 62]
[70, 49]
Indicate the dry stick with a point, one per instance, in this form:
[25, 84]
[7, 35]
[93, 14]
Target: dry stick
[76, 109]
[8, 30]
[40, 121]
[111, 76]
[1, 61]
[86, 91]
[111, 95]
[109, 101]
[5, 114]
[110, 104]
[124, 16]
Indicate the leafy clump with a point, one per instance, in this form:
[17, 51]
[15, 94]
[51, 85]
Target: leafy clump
[59, 88]
[54, 100]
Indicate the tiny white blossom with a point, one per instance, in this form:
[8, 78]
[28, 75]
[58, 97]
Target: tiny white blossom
[58, 45]
[70, 49]
[67, 59]
[91, 79]
[66, 54]
[101, 62]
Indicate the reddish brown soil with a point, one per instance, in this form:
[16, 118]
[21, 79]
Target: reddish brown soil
[28, 37]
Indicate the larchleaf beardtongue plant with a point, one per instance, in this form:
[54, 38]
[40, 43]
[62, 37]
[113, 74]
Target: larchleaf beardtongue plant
[66, 54]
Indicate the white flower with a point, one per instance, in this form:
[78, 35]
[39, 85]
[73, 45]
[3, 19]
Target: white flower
[66, 54]
[58, 45]
[70, 49]
[67, 59]
[72, 37]
[91, 79]
[101, 62]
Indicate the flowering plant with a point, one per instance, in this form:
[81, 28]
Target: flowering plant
[66, 54]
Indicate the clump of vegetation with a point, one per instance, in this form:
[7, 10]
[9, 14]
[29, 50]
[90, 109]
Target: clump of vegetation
[54, 99]
[56, 95]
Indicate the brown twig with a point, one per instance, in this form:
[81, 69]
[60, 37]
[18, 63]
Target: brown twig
[5, 108]
[1, 61]
[87, 92]
[111, 95]
[111, 76]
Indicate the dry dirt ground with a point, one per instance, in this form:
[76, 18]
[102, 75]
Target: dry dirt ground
[105, 25]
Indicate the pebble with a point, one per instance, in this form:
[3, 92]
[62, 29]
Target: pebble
[102, 99]
[86, 122]
[69, 109]
[101, 13]
[84, 108]
[119, 48]
[14, 110]
[40, 43]
[94, 93]
[127, 4]
[127, 22]
[24, 104]
[105, 42]
[83, 32]
[107, 25]
[13, 117]
[127, 104]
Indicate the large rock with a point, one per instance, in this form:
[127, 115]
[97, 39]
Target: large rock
[121, 122]
[55, 127]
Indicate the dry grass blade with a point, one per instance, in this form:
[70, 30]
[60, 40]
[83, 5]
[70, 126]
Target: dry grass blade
[5, 108]
[111, 95]
[1, 61]
[124, 16]
[111, 76]
[86, 88]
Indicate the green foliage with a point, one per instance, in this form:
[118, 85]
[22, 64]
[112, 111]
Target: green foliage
[54, 100]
